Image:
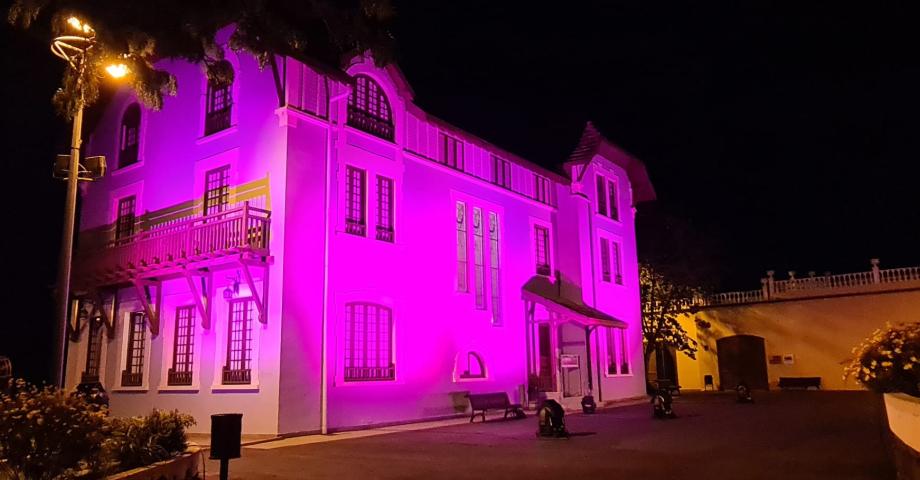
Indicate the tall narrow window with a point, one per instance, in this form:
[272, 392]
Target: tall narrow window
[605, 260]
[369, 109]
[93, 351]
[130, 136]
[601, 195]
[541, 188]
[368, 343]
[617, 352]
[355, 201]
[216, 190]
[501, 172]
[612, 197]
[478, 259]
[384, 209]
[462, 250]
[495, 268]
[541, 240]
[124, 223]
[218, 105]
[617, 264]
[183, 348]
[451, 152]
[238, 369]
[133, 374]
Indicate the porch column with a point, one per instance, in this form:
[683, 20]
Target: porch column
[528, 339]
[556, 351]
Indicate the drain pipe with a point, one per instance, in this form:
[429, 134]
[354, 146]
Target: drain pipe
[600, 393]
[327, 170]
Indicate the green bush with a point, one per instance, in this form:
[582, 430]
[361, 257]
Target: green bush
[889, 360]
[47, 433]
[139, 441]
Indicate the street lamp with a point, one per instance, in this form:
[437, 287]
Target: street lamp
[73, 49]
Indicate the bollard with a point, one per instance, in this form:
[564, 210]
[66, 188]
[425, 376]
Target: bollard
[226, 431]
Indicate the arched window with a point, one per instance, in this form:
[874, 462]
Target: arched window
[368, 343]
[130, 136]
[470, 366]
[218, 103]
[369, 109]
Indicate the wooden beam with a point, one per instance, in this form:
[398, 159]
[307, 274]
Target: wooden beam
[256, 296]
[143, 294]
[74, 323]
[202, 297]
[106, 320]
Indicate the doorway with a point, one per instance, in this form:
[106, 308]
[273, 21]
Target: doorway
[546, 358]
[742, 358]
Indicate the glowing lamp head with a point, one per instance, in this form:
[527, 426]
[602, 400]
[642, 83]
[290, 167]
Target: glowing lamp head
[117, 70]
[79, 26]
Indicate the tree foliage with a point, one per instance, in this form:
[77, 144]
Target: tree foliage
[662, 301]
[139, 34]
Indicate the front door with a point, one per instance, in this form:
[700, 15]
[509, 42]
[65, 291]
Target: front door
[546, 359]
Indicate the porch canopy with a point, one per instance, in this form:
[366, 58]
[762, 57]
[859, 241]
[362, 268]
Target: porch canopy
[541, 290]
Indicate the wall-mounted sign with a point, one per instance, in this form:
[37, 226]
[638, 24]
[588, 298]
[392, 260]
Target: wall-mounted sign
[788, 359]
[569, 361]
[776, 359]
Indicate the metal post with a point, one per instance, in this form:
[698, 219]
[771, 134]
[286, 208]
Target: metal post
[224, 468]
[70, 213]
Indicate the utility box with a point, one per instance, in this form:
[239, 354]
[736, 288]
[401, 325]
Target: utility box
[226, 431]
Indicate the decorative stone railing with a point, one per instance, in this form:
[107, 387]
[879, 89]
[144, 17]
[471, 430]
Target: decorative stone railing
[813, 285]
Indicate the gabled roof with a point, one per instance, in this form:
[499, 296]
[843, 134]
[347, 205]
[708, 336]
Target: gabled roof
[540, 290]
[594, 143]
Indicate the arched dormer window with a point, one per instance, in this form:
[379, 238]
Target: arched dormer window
[369, 109]
[130, 136]
[219, 103]
[469, 365]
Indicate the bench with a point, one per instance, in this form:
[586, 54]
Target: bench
[672, 388]
[480, 402]
[800, 382]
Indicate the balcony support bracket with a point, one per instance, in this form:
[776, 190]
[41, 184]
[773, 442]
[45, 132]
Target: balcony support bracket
[260, 299]
[150, 302]
[204, 295]
[108, 318]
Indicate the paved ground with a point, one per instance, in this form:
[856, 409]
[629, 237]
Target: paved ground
[784, 435]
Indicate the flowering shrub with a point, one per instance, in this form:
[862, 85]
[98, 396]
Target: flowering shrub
[47, 433]
[889, 360]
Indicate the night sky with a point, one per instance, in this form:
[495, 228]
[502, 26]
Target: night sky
[783, 136]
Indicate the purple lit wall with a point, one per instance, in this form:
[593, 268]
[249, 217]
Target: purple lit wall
[293, 161]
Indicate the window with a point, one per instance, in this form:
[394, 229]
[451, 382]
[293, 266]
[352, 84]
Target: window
[607, 197]
[238, 369]
[471, 366]
[494, 268]
[93, 352]
[133, 374]
[355, 201]
[541, 188]
[541, 238]
[617, 264]
[501, 172]
[218, 105]
[183, 348]
[130, 136]
[451, 152]
[617, 352]
[478, 260]
[369, 109]
[217, 190]
[368, 343]
[601, 195]
[384, 209]
[124, 223]
[462, 250]
[605, 260]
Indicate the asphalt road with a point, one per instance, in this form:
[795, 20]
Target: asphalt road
[783, 435]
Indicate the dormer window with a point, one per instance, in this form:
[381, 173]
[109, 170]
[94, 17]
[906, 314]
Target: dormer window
[369, 109]
[218, 105]
[130, 136]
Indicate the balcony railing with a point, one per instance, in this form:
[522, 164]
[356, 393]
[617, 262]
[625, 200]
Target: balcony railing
[367, 123]
[129, 379]
[369, 374]
[236, 377]
[242, 229]
[174, 378]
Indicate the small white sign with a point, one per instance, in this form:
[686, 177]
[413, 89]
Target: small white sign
[569, 361]
[788, 359]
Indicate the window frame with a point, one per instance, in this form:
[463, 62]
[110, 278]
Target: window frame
[606, 276]
[495, 270]
[218, 115]
[216, 191]
[129, 154]
[451, 144]
[177, 376]
[544, 269]
[501, 172]
[93, 363]
[465, 375]
[369, 109]
[243, 375]
[608, 203]
[125, 219]
[541, 188]
[617, 346]
[479, 262]
[463, 247]
[384, 353]
[385, 214]
[134, 373]
[355, 201]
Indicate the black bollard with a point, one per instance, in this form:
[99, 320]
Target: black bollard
[226, 430]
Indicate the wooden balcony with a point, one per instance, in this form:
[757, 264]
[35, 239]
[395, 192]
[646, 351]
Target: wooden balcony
[235, 233]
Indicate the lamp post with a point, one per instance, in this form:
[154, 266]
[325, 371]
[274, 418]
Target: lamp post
[73, 49]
